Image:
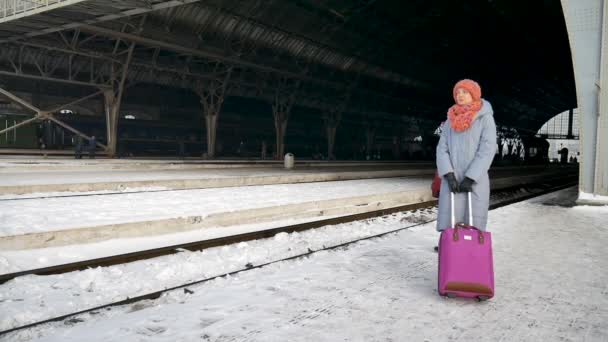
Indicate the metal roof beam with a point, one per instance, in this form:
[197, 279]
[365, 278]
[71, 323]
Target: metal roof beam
[213, 55]
[201, 53]
[54, 79]
[12, 10]
[111, 16]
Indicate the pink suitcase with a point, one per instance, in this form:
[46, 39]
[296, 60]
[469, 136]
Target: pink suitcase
[466, 266]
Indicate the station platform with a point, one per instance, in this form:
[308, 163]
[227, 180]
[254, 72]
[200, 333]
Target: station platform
[29, 163]
[549, 259]
[29, 176]
[147, 176]
[41, 220]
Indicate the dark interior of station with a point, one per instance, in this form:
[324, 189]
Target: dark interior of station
[378, 73]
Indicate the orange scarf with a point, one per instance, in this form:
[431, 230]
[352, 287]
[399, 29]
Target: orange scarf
[461, 117]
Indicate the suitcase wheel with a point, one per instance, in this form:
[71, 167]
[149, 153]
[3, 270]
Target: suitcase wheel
[482, 298]
[451, 295]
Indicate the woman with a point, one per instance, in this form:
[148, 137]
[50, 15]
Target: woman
[464, 154]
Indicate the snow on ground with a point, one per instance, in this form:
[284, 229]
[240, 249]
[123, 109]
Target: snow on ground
[593, 197]
[22, 298]
[21, 260]
[38, 215]
[551, 285]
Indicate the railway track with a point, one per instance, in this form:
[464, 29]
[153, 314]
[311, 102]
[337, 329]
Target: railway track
[531, 191]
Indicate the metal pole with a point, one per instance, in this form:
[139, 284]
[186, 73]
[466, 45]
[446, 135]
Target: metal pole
[19, 100]
[570, 122]
[23, 123]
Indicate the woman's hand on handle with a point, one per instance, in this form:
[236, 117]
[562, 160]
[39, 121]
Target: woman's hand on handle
[452, 182]
[466, 185]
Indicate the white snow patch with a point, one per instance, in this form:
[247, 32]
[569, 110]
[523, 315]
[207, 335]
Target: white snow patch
[593, 197]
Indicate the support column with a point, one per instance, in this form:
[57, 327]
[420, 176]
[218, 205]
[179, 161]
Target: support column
[370, 136]
[284, 98]
[332, 120]
[570, 135]
[587, 24]
[212, 95]
[281, 110]
[211, 124]
[280, 126]
[601, 153]
[111, 109]
[113, 99]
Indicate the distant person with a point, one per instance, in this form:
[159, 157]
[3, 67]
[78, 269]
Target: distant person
[181, 148]
[240, 149]
[41, 144]
[464, 154]
[563, 155]
[77, 147]
[92, 147]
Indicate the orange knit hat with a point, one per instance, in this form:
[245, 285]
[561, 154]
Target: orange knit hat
[471, 86]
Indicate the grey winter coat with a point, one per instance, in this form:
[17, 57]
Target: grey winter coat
[467, 154]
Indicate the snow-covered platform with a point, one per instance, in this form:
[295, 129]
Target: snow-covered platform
[36, 223]
[46, 222]
[24, 176]
[550, 264]
[28, 163]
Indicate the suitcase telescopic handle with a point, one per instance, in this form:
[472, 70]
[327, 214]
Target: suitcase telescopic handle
[469, 205]
[452, 209]
[470, 209]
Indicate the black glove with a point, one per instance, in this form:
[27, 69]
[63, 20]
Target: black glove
[452, 182]
[466, 185]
